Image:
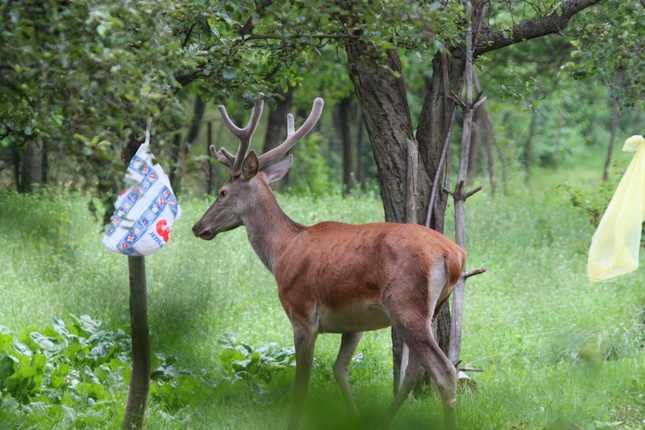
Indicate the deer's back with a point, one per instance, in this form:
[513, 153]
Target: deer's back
[336, 265]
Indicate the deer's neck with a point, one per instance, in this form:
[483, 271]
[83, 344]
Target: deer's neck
[269, 229]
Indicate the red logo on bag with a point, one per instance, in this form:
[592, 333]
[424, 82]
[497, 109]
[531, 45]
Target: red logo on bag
[163, 230]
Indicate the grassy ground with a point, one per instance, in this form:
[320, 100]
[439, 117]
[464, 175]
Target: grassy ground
[557, 352]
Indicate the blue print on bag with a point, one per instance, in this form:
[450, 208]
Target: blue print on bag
[164, 198]
[139, 165]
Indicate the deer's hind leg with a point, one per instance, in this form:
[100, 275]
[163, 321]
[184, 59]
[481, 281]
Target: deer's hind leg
[411, 375]
[426, 353]
[348, 344]
[411, 310]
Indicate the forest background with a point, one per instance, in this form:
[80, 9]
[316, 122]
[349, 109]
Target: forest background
[80, 79]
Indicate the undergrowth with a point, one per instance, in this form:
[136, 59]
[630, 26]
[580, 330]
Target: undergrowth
[76, 375]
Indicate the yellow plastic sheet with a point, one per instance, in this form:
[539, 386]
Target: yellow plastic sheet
[615, 245]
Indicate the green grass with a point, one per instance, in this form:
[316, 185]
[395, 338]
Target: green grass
[557, 352]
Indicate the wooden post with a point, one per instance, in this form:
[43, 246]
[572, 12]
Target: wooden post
[135, 410]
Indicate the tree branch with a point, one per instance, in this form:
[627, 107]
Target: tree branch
[553, 23]
[473, 272]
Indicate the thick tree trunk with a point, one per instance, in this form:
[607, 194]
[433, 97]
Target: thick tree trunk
[388, 123]
[381, 94]
[387, 119]
[435, 120]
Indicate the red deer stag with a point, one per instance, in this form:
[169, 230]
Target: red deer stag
[339, 278]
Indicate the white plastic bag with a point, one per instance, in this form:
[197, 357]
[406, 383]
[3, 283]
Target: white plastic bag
[615, 245]
[146, 211]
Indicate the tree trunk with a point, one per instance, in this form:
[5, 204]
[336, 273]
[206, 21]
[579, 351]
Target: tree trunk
[526, 153]
[181, 147]
[360, 145]
[388, 123]
[343, 118]
[434, 122]
[175, 150]
[33, 167]
[475, 145]
[15, 159]
[486, 135]
[209, 164]
[612, 139]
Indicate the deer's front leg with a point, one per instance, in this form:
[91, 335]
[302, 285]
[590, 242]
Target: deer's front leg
[305, 341]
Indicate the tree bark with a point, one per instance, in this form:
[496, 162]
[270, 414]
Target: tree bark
[381, 94]
[434, 123]
[389, 125]
[554, 23]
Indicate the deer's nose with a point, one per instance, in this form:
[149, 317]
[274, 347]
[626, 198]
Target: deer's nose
[196, 229]
[203, 232]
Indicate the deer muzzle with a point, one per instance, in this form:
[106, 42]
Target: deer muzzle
[203, 232]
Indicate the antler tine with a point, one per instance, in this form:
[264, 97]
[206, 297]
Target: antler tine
[293, 136]
[223, 156]
[243, 134]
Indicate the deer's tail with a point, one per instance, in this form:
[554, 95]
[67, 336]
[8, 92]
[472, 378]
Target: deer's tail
[455, 262]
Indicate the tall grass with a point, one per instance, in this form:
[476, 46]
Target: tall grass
[556, 352]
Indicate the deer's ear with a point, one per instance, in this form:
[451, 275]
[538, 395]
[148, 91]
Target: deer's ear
[276, 171]
[250, 166]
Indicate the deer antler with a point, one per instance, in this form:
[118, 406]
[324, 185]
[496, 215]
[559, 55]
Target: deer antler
[293, 136]
[234, 162]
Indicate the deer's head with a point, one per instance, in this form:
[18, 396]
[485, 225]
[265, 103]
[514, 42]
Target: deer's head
[250, 173]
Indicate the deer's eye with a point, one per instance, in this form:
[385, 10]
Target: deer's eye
[222, 194]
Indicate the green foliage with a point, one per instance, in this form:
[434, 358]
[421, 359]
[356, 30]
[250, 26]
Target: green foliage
[310, 172]
[62, 374]
[609, 48]
[257, 372]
